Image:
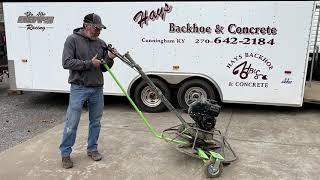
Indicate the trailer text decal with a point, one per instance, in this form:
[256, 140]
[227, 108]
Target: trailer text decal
[39, 18]
[248, 65]
[222, 34]
[143, 17]
[219, 29]
[232, 29]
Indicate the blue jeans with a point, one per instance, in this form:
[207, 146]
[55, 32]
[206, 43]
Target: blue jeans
[95, 100]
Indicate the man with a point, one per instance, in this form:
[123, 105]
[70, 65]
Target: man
[82, 55]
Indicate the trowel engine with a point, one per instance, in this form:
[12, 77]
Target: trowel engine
[203, 112]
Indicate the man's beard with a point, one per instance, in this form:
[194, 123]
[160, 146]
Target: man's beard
[94, 37]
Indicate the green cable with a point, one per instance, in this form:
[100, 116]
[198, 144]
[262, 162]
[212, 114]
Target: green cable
[143, 118]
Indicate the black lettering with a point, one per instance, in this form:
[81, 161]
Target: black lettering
[189, 28]
[251, 30]
[178, 29]
[171, 28]
[245, 30]
[230, 28]
[238, 30]
[183, 29]
[274, 31]
[257, 30]
[202, 30]
[195, 28]
[263, 31]
[268, 30]
[208, 30]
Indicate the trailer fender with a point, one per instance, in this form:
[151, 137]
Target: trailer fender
[175, 78]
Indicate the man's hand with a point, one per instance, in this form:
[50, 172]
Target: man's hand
[95, 61]
[112, 53]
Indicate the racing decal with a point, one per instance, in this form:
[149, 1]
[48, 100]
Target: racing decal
[35, 22]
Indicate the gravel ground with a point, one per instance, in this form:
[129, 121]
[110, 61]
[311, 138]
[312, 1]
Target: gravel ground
[24, 116]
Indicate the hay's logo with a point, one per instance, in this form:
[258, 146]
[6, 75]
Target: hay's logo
[244, 70]
[39, 18]
[247, 67]
[143, 17]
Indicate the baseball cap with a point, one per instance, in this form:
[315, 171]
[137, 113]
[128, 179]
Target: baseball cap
[95, 20]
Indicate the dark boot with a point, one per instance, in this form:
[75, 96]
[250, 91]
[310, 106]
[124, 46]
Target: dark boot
[66, 162]
[95, 155]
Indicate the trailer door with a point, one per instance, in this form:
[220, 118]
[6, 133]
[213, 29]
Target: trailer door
[19, 59]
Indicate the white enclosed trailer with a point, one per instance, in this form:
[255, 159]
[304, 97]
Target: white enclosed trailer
[238, 52]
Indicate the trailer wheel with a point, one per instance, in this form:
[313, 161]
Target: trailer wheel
[193, 90]
[147, 100]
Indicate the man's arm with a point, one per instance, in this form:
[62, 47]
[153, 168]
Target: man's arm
[68, 57]
[109, 63]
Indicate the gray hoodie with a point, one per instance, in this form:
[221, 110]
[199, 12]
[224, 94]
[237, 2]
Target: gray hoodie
[77, 54]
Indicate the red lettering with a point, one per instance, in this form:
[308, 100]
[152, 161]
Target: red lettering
[143, 17]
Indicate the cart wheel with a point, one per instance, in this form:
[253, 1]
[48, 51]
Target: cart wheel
[211, 171]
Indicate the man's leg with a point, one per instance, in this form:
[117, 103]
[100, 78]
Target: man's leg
[95, 105]
[77, 97]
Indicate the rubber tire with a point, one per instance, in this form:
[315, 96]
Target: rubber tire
[137, 96]
[209, 175]
[192, 83]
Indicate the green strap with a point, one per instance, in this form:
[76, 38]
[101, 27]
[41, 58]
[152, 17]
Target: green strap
[143, 118]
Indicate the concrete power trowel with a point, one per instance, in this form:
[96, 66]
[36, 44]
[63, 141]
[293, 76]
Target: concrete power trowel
[198, 139]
